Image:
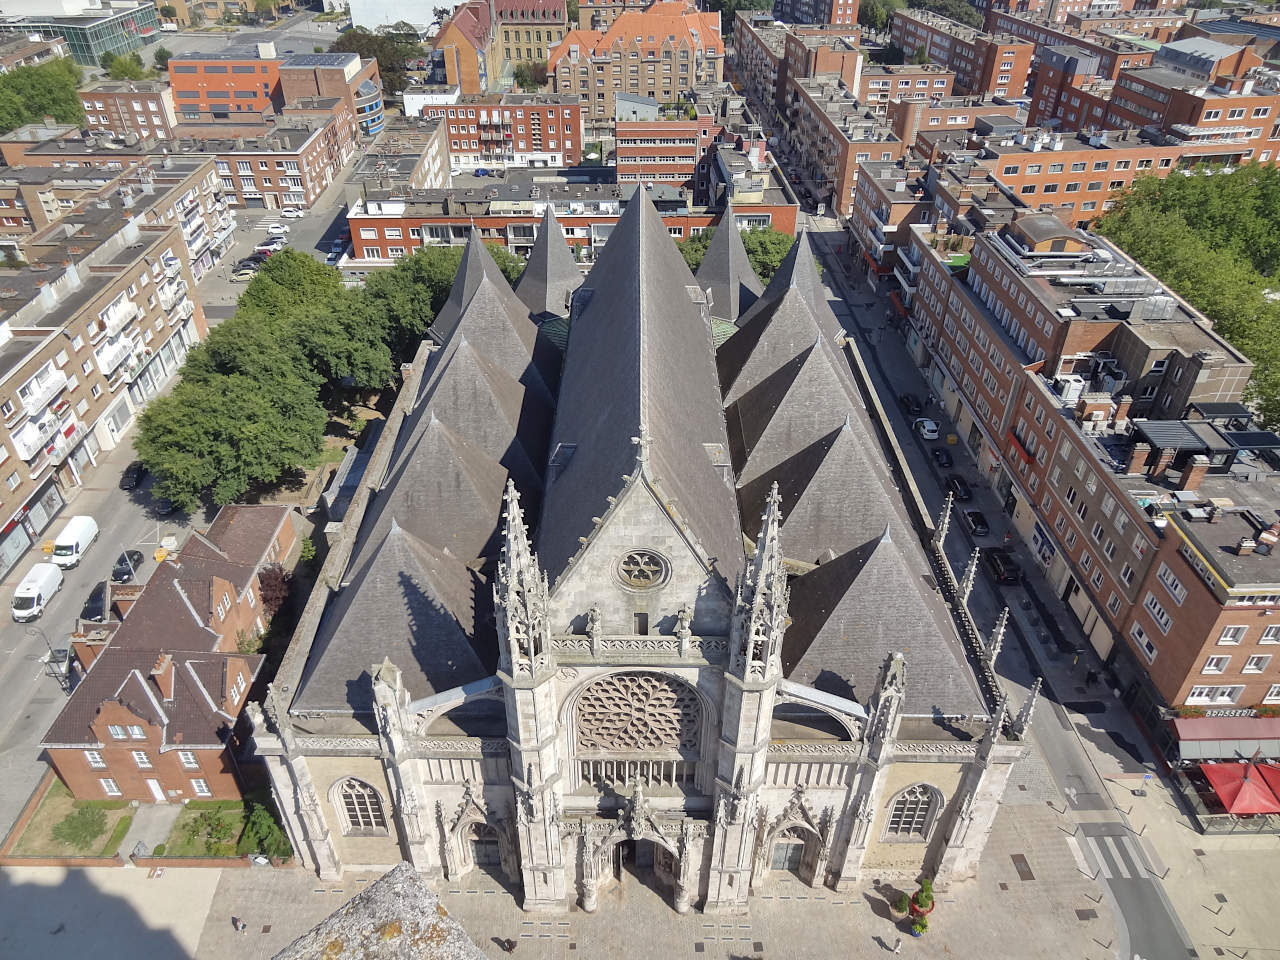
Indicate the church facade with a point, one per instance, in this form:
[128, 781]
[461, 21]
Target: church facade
[614, 598]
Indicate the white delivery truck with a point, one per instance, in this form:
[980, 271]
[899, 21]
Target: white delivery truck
[69, 546]
[35, 591]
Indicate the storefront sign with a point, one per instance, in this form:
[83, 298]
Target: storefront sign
[1234, 712]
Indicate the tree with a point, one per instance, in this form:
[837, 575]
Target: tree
[531, 76]
[956, 10]
[81, 827]
[161, 58]
[766, 249]
[263, 833]
[921, 56]
[571, 9]
[124, 66]
[876, 14]
[391, 52]
[274, 583]
[169, 12]
[49, 89]
[264, 7]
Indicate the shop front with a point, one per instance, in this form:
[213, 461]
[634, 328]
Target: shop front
[22, 529]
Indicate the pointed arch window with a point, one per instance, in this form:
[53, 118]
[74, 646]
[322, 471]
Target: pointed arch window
[361, 808]
[912, 813]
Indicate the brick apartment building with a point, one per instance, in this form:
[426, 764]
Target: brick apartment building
[513, 129]
[1113, 53]
[984, 63]
[236, 84]
[1160, 27]
[878, 84]
[842, 12]
[1060, 11]
[153, 717]
[409, 154]
[141, 108]
[661, 53]
[465, 51]
[908, 119]
[528, 30]
[685, 153]
[387, 225]
[30, 51]
[600, 15]
[288, 166]
[31, 198]
[95, 325]
[769, 58]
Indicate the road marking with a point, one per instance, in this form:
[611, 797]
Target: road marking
[1118, 858]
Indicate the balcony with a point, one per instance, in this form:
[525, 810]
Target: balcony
[185, 311]
[68, 436]
[29, 440]
[111, 355]
[119, 315]
[39, 394]
[172, 267]
[881, 217]
[907, 283]
[878, 250]
[171, 294]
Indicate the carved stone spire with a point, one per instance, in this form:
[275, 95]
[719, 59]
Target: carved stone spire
[970, 575]
[1022, 722]
[997, 635]
[520, 596]
[989, 739]
[761, 616]
[944, 520]
[886, 704]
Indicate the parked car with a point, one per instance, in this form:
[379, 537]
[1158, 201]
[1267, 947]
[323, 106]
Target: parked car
[292, 213]
[911, 404]
[35, 591]
[942, 457]
[976, 522]
[927, 428]
[95, 605]
[76, 537]
[163, 507]
[250, 264]
[244, 275]
[1002, 565]
[58, 661]
[126, 567]
[333, 257]
[959, 488]
[482, 172]
[278, 229]
[338, 244]
[133, 475]
[274, 245]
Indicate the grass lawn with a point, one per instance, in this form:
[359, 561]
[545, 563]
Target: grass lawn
[190, 834]
[37, 840]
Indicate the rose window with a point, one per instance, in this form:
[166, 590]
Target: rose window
[637, 711]
[641, 568]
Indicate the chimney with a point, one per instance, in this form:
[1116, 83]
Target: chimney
[1122, 408]
[1138, 458]
[1163, 459]
[162, 674]
[1194, 472]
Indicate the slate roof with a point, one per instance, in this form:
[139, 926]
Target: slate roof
[550, 274]
[798, 271]
[191, 718]
[727, 272]
[639, 363]
[397, 917]
[853, 611]
[412, 602]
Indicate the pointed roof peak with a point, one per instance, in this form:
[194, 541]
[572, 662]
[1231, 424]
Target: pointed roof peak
[551, 273]
[727, 272]
[884, 537]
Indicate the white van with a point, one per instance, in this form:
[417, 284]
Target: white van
[35, 591]
[73, 541]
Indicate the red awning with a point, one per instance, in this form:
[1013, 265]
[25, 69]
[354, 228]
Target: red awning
[1270, 774]
[897, 303]
[1241, 788]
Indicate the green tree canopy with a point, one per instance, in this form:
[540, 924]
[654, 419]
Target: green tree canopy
[128, 66]
[876, 14]
[29, 93]
[263, 7]
[1213, 240]
[956, 10]
[571, 8]
[161, 57]
[766, 249]
[390, 51]
[168, 11]
[531, 76]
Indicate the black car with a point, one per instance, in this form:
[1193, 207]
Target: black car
[911, 404]
[1002, 565]
[95, 607]
[976, 522]
[126, 566]
[133, 475]
[942, 457]
[956, 484]
[164, 506]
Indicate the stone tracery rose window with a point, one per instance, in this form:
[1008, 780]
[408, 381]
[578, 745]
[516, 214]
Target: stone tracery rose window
[626, 712]
[641, 569]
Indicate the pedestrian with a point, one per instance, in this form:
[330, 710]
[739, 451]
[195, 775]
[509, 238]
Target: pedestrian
[1090, 678]
[897, 947]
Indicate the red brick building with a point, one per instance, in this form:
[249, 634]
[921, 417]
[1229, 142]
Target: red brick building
[152, 718]
[517, 129]
[219, 85]
[122, 107]
[341, 75]
[984, 63]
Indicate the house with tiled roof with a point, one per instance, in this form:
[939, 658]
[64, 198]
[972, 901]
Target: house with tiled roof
[660, 53]
[159, 695]
[463, 50]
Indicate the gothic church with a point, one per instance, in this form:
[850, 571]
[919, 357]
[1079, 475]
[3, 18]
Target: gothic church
[612, 598]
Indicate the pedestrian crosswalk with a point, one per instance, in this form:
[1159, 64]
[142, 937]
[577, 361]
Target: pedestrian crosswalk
[1117, 857]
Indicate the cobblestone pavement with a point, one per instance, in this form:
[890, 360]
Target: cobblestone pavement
[1050, 909]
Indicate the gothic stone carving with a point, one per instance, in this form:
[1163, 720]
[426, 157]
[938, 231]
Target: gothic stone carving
[637, 711]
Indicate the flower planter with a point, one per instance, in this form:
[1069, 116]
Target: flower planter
[916, 911]
[916, 934]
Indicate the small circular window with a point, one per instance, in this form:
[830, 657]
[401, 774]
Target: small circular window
[641, 569]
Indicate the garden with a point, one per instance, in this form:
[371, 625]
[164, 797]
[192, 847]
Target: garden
[226, 828]
[63, 826]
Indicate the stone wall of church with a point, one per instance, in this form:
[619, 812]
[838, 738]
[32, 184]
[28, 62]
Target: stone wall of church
[355, 851]
[909, 856]
[638, 522]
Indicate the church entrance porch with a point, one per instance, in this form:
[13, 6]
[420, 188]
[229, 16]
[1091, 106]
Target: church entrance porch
[643, 863]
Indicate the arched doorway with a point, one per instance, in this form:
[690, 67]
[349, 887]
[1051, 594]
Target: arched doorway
[480, 846]
[638, 864]
[787, 854]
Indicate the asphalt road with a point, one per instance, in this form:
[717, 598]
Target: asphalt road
[127, 520]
